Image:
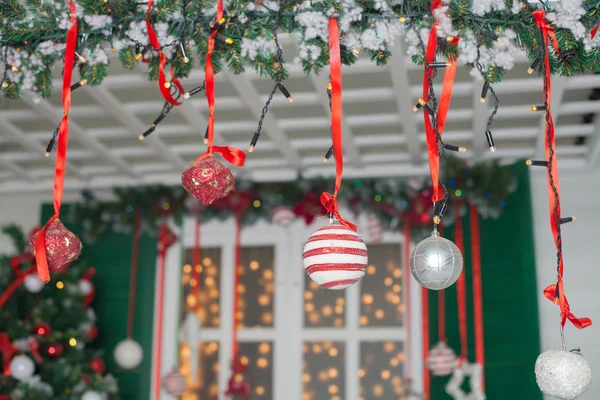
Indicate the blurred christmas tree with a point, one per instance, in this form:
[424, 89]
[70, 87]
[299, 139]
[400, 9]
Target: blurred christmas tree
[46, 331]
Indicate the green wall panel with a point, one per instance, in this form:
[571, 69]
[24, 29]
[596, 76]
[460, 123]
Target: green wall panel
[111, 255]
[510, 309]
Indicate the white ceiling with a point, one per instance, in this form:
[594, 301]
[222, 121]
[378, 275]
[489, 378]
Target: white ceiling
[382, 136]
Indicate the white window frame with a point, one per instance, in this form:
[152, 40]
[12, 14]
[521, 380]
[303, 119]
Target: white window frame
[288, 333]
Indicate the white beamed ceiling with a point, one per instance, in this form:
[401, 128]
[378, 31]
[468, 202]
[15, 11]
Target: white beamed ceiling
[382, 136]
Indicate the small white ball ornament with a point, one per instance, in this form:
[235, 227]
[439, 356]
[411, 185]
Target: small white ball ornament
[436, 263]
[92, 395]
[21, 368]
[335, 257]
[442, 360]
[174, 383]
[85, 287]
[565, 375]
[128, 354]
[32, 283]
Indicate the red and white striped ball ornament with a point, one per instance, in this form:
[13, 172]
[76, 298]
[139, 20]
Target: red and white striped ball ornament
[375, 228]
[174, 383]
[335, 257]
[283, 216]
[442, 360]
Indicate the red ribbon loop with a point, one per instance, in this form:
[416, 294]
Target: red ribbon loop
[162, 80]
[34, 346]
[11, 289]
[231, 154]
[550, 294]
[61, 151]
[540, 19]
[331, 205]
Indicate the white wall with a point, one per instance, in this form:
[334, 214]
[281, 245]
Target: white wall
[580, 196]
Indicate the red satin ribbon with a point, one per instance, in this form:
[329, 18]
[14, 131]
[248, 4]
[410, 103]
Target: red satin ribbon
[443, 107]
[135, 251]
[425, 328]
[579, 323]
[162, 255]
[477, 291]
[238, 260]
[407, 315]
[461, 290]
[61, 152]
[7, 350]
[561, 300]
[15, 262]
[335, 76]
[196, 263]
[34, 346]
[162, 80]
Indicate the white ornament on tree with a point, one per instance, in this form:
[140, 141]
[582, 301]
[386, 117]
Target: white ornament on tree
[191, 329]
[475, 374]
[565, 375]
[32, 283]
[128, 354]
[436, 263]
[92, 395]
[85, 287]
[21, 368]
[442, 360]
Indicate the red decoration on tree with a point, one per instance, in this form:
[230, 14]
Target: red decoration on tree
[55, 350]
[420, 209]
[309, 208]
[43, 329]
[34, 346]
[237, 385]
[8, 351]
[62, 246]
[208, 179]
[97, 364]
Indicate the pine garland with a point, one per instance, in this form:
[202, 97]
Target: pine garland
[35, 32]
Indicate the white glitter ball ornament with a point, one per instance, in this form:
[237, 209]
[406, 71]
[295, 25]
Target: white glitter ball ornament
[565, 375]
[442, 360]
[436, 262]
[32, 283]
[335, 257]
[21, 368]
[128, 354]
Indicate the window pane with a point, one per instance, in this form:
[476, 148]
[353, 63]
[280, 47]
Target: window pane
[382, 369]
[258, 358]
[323, 307]
[381, 290]
[256, 287]
[208, 298]
[204, 384]
[323, 371]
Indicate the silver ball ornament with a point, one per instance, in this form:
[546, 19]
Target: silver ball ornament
[565, 375]
[436, 262]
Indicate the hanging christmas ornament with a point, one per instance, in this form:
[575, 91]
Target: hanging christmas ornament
[436, 262]
[98, 365]
[475, 374]
[128, 354]
[565, 375]
[61, 245]
[442, 360]
[33, 284]
[174, 383]
[91, 395]
[21, 368]
[208, 179]
[375, 228]
[237, 385]
[283, 216]
[43, 329]
[55, 350]
[335, 257]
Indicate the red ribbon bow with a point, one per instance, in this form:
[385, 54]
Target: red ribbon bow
[15, 262]
[162, 80]
[331, 205]
[547, 29]
[550, 294]
[7, 350]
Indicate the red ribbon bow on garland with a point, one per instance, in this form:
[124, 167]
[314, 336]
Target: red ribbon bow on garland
[335, 75]
[555, 292]
[443, 107]
[163, 85]
[63, 139]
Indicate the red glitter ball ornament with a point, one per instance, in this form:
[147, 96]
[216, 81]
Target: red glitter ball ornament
[98, 365]
[92, 333]
[208, 180]
[55, 350]
[62, 246]
[43, 329]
